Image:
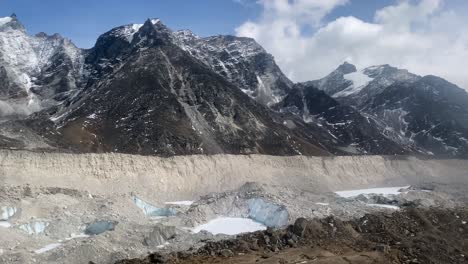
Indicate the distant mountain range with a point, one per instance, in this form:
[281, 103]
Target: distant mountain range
[145, 89]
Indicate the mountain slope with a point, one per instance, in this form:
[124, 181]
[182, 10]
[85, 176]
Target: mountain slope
[160, 100]
[424, 113]
[245, 63]
[431, 113]
[354, 132]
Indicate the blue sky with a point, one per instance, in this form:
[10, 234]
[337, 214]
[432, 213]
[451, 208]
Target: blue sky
[83, 21]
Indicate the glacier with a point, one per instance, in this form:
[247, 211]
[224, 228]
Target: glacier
[7, 212]
[151, 210]
[267, 213]
[34, 228]
[99, 227]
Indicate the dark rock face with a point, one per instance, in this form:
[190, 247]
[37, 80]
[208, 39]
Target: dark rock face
[62, 74]
[241, 61]
[352, 131]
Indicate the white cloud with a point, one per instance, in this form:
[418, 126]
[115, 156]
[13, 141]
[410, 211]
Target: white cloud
[423, 36]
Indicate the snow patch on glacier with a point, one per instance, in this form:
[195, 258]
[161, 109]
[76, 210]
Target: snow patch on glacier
[4, 224]
[380, 191]
[47, 248]
[230, 226]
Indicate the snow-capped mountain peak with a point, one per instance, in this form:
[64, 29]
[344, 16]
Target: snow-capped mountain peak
[347, 81]
[345, 68]
[27, 74]
[127, 32]
[10, 22]
[155, 21]
[5, 20]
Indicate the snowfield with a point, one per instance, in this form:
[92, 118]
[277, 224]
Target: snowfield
[393, 207]
[4, 224]
[186, 203]
[380, 191]
[359, 80]
[47, 248]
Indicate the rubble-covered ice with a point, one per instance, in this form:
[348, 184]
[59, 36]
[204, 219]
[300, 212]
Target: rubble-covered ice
[34, 228]
[151, 210]
[230, 226]
[7, 212]
[160, 235]
[267, 213]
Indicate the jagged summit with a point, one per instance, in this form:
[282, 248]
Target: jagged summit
[346, 68]
[154, 29]
[11, 22]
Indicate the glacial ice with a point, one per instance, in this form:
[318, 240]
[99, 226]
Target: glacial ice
[34, 228]
[150, 210]
[269, 214]
[99, 227]
[7, 212]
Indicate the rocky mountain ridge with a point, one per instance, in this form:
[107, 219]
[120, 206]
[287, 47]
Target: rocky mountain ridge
[145, 89]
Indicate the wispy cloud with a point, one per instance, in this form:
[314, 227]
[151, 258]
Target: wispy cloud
[424, 36]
